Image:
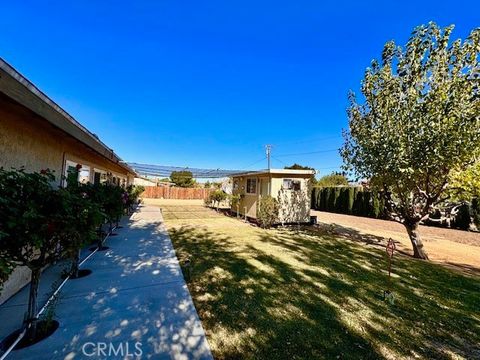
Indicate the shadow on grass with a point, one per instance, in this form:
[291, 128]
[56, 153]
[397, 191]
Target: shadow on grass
[380, 242]
[318, 296]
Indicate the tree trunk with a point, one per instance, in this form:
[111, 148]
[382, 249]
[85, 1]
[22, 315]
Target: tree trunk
[418, 250]
[32, 303]
[75, 262]
[100, 238]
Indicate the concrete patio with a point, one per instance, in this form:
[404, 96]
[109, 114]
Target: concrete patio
[136, 299]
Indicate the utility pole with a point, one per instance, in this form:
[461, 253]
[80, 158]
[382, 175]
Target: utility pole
[268, 149]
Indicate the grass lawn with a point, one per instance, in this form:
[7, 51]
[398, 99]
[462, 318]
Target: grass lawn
[303, 294]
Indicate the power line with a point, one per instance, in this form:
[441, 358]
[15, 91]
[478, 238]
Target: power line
[329, 167]
[284, 163]
[308, 153]
[308, 141]
[254, 163]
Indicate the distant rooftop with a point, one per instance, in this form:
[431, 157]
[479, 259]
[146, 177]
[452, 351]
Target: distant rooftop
[275, 172]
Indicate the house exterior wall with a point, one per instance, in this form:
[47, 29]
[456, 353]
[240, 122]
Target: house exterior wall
[143, 182]
[294, 204]
[28, 140]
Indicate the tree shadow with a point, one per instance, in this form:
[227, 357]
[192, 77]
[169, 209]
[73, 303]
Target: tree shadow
[380, 242]
[319, 296]
[136, 294]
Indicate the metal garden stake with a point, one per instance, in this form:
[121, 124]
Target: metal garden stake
[390, 249]
[188, 270]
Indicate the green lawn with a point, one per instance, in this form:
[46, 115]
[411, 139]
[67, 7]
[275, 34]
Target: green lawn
[289, 294]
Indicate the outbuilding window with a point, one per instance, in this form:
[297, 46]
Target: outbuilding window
[290, 184]
[251, 186]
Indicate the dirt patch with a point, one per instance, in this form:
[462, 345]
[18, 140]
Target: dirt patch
[459, 249]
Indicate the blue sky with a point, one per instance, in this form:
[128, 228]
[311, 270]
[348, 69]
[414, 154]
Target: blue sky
[209, 83]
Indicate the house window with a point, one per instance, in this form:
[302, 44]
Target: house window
[251, 186]
[75, 172]
[72, 174]
[84, 174]
[290, 184]
[96, 178]
[99, 177]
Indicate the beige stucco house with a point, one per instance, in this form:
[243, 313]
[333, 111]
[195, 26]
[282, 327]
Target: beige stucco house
[36, 133]
[292, 188]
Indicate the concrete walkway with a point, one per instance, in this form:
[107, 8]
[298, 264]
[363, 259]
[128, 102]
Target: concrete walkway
[135, 301]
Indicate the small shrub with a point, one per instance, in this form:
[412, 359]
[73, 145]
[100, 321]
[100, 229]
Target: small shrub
[217, 197]
[462, 218]
[267, 211]
[476, 212]
[235, 203]
[133, 194]
[207, 201]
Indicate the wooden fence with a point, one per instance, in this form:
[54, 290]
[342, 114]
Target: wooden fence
[165, 192]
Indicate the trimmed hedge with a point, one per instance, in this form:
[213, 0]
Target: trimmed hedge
[348, 200]
[356, 201]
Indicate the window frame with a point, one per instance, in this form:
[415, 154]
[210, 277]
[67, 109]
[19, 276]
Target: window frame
[103, 175]
[247, 188]
[83, 177]
[290, 186]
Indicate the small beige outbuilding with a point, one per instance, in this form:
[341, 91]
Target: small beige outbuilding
[292, 189]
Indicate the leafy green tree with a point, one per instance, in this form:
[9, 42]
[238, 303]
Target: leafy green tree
[465, 183]
[334, 179]
[29, 235]
[78, 221]
[420, 119]
[296, 166]
[113, 204]
[182, 178]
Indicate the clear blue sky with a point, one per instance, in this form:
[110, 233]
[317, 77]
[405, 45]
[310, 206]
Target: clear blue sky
[208, 83]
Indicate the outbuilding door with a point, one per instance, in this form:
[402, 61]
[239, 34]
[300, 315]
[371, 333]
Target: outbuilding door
[264, 187]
